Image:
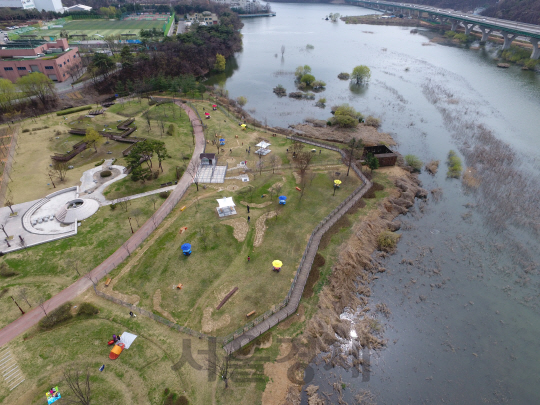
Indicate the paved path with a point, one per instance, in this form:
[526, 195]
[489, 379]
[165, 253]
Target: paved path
[31, 318]
[306, 263]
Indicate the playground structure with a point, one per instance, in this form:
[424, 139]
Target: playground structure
[121, 137]
[226, 207]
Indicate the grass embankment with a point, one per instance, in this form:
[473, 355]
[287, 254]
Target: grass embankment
[47, 269]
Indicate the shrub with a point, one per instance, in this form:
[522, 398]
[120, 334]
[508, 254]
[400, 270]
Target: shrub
[170, 131]
[87, 309]
[346, 116]
[99, 164]
[26, 130]
[309, 46]
[105, 173]
[343, 76]
[373, 122]
[387, 241]
[113, 206]
[56, 317]
[307, 79]
[73, 110]
[242, 101]
[432, 167]
[454, 165]
[164, 194]
[318, 84]
[6, 271]
[413, 162]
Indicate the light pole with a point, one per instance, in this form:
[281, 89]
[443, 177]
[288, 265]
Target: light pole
[131, 226]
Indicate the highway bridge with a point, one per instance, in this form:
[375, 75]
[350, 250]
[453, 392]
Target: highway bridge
[509, 30]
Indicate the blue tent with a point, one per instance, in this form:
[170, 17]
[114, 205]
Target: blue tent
[186, 249]
[221, 141]
[282, 199]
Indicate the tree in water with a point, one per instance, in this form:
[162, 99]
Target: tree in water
[360, 74]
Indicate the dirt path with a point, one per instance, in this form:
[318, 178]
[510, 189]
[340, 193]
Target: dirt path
[260, 227]
[31, 318]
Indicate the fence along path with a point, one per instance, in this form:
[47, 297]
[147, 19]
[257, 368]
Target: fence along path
[290, 304]
[32, 317]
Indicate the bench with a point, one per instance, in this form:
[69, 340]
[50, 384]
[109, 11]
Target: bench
[108, 282]
[251, 313]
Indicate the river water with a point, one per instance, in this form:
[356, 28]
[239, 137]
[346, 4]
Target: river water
[463, 287]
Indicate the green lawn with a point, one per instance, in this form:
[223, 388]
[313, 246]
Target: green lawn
[103, 27]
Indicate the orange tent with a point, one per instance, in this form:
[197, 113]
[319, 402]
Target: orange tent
[116, 350]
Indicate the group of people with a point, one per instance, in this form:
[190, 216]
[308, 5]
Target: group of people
[54, 393]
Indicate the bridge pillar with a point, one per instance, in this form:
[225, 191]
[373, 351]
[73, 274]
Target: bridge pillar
[468, 28]
[455, 24]
[485, 33]
[508, 38]
[536, 51]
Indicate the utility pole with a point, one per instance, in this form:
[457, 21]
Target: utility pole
[20, 309]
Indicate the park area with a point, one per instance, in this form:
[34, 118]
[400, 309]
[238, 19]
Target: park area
[96, 29]
[158, 277]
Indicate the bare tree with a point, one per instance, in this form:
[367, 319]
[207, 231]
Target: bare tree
[59, 170]
[79, 384]
[41, 303]
[193, 171]
[137, 214]
[221, 367]
[94, 280]
[23, 295]
[297, 147]
[3, 228]
[354, 146]
[153, 199]
[273, 162]
[302, 162]
[123, 203]
[260, 164]
[9, 203]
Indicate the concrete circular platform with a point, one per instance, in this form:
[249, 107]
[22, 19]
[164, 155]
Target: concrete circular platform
[77, 210]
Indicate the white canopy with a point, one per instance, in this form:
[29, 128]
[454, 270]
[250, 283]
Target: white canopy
[263, 144]
[226, 202]
[127, 339]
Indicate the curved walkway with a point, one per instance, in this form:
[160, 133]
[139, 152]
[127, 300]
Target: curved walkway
[31, 318]
[307, 260]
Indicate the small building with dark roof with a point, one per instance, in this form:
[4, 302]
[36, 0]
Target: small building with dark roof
[208, 159]
[384, 155]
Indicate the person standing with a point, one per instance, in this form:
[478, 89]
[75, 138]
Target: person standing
[249, 258]
[248, 218]
[248, 208]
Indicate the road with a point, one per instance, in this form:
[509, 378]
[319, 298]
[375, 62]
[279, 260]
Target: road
[32, 317]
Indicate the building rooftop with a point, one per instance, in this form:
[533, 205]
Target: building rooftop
[24, 44]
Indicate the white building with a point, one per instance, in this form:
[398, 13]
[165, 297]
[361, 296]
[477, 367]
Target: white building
[25, 4]
[78, 7]
[249, 6]
[47, 5]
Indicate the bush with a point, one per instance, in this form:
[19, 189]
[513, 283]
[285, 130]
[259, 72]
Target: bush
[170, 131]
[56, 317]
[454, 166]
[344, 76]
[87, 309]
[113, 206]
[413, 162]
[73, 110]
[105, 173]
[387, 241]
[6, 271]
[164, 194]
[373, 122]
[99, 164]
[26, 130]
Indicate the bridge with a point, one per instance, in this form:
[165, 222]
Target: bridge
[509, 30]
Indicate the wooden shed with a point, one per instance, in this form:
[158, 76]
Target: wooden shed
[384, 155]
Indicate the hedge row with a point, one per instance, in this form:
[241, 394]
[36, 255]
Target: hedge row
[72, 110]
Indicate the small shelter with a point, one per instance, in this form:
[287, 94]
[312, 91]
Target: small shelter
[263, 148]
[222, 141]
[208, 159]
[226, 207]
[282, 199]
[186, 249]
[384, 155]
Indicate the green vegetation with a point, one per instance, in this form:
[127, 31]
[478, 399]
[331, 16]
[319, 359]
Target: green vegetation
[242, 101]
[461, 37]
[344, 76]
[74, 110]
[88, 309]
[345, 116]
[56, 317]
[372, 162]
[387, 241]
[360, 75]
[105, 173]
[220, 63]
[454, 165]
[414, 162]
[372, 121]
[520, 56]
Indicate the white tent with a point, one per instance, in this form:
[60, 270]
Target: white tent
[226, 207]
[263, 144]
[127, 339]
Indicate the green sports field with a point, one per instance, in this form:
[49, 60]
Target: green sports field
[104, 27]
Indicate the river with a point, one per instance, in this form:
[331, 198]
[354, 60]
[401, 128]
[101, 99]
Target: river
[463, 287]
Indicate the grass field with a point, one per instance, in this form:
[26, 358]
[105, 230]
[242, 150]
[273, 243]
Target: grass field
[104, 27]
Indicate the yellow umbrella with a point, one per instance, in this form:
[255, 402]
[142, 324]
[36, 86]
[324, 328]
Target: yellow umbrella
[337, 182]
[277, 263]
[243, 126]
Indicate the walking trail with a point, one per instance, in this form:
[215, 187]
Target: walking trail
[31, 318]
